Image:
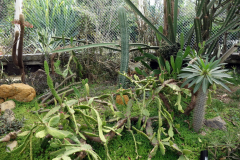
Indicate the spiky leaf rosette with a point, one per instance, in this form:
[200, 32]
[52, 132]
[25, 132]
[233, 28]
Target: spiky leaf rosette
[204, 73]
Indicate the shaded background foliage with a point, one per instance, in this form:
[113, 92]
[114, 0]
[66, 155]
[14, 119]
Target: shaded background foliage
[95, 21]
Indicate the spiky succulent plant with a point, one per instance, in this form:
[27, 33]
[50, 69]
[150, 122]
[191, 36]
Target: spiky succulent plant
[202, 74]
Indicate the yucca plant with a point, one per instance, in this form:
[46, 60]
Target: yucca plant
[202, 74]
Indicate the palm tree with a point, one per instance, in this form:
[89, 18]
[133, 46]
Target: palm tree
[202, 74]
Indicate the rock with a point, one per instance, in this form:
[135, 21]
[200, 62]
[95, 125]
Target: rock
[11, 146]
[216, 123]
[8, 115]
[7, 105]
[18, 91]
[119, 99]
[1, 100]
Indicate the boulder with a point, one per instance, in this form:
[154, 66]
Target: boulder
[11, 146]
[120, 101]
[7, 105]
[216, 123]
[18, 91]
[1, 100]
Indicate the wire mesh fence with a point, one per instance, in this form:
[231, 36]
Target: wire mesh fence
[93, 21]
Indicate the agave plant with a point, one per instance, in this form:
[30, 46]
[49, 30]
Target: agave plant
[202, 74]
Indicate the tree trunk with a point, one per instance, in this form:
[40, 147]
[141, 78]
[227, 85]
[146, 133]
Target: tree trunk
[18, 11]
[199, 109]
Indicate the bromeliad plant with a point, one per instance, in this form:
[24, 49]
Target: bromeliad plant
[201, 75]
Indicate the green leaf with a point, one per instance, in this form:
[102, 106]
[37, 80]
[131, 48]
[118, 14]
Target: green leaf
[83, 106]
[41, 134]
[151, 56]
[51, 112]
[87, 89]
[139, 58]
[71, 41]
[119, 114]
[199, 139]
[187, 51]
[103, 139]
[170, 130]
[160, 29]
[168, 67]
[63, 40]
[138, 71]
[156, 71]
[145, 112]
[54, 121]
[182, 158]
[186, 152]
[60, 134]
[209, 100]
[71, 102]
[197, 86]
[205, 85]
[104, 96]
[76, 91]
[173, 64]
[146, 65]
[83, 47]
[90, 101]
[173, 87]
[178, 62]
[220, 83]
[162, 148]
[23, 134]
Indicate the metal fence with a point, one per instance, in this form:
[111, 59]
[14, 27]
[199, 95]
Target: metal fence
[94, 21]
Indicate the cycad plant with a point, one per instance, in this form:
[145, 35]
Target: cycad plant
[202, 74]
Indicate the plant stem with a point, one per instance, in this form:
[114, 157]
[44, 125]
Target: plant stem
[199, 109]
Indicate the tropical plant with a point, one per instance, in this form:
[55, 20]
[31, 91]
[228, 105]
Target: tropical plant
[63, 127]
[206, 13]
[124, 44]
[172, 66]
[44, 43]
[58, 16]
[201, 75]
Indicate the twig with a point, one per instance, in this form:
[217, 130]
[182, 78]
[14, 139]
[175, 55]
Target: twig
[119, 124]
[67, 78]
[49, 94]
[66, 93]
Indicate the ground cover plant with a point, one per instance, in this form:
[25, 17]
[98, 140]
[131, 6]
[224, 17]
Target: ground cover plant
[124, 146]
